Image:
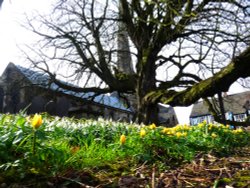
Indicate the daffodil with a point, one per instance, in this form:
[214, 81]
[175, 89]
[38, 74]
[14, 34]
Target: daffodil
[152, 126]
[165, 130]
[122, 139]
[210, 126]
[186, 127]
[213, 135]
[170, 132]
[200, 125]
[178, 134]
[36, 121]
[237, 131]
[184, 134]
[142, 132]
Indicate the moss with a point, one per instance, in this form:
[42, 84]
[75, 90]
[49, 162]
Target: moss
[226, 180]
[121, 76]
[244, 178]
[240, 179]
[241, 184]
[242, 173]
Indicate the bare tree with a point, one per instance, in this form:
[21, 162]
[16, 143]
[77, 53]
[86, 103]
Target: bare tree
[183, 41]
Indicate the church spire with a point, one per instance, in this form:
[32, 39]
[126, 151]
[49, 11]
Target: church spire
[124, 62]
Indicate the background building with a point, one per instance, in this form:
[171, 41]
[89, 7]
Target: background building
[25, 89]
[236, 108]
[22, 88]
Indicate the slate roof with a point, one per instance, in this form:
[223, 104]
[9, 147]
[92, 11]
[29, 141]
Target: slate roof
[233, 103]
[42, 79]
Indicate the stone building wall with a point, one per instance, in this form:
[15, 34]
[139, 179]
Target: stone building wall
[17, 93]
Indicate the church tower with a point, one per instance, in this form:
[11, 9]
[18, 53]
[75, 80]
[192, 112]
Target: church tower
[124, 60]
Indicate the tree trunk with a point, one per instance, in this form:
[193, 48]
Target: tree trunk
[147, 112]
[222, 109]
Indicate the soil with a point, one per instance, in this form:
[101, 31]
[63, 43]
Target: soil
[206, 170]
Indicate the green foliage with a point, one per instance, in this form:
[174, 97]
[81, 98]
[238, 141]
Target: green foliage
[64, 143]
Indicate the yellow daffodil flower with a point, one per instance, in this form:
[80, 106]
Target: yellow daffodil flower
[36, 121]
[184, 134]
[213, 135]
[122, 139]
[142, 132]
[165, 130]
[152, 126]
[237, 131]
[200, 125]
[178, 134]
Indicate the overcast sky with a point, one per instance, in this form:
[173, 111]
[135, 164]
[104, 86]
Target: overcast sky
[12, 35]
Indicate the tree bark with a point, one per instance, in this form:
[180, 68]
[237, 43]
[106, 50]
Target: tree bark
[147, 112]
[222, 109]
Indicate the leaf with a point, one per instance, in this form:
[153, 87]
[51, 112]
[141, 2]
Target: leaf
[20, 121]
[17, 139]
[5, 137]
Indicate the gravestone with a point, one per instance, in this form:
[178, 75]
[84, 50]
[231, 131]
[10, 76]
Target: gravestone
[50, 107]
[37, 105]
[62, 106]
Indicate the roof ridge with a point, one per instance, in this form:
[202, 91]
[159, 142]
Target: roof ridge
[36, 76]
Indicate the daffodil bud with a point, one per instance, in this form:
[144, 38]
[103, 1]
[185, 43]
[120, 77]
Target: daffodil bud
[142, 132]
[36, 121]
[122, 139]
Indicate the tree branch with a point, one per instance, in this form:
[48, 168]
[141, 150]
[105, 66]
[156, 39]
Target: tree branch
[220, 82]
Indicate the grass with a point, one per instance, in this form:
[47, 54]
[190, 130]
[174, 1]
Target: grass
[66, 145]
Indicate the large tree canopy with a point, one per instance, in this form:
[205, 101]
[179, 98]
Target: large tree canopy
[181, 50]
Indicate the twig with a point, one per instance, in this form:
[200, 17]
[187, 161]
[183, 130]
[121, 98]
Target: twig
[216, 169]
[153, 177]
[229, 175]
[216, 182]
[140, 167]
[189, 183]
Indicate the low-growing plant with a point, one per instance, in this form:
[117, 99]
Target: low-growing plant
[48, 146]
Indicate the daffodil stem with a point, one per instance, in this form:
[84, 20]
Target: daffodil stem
[34, 143]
